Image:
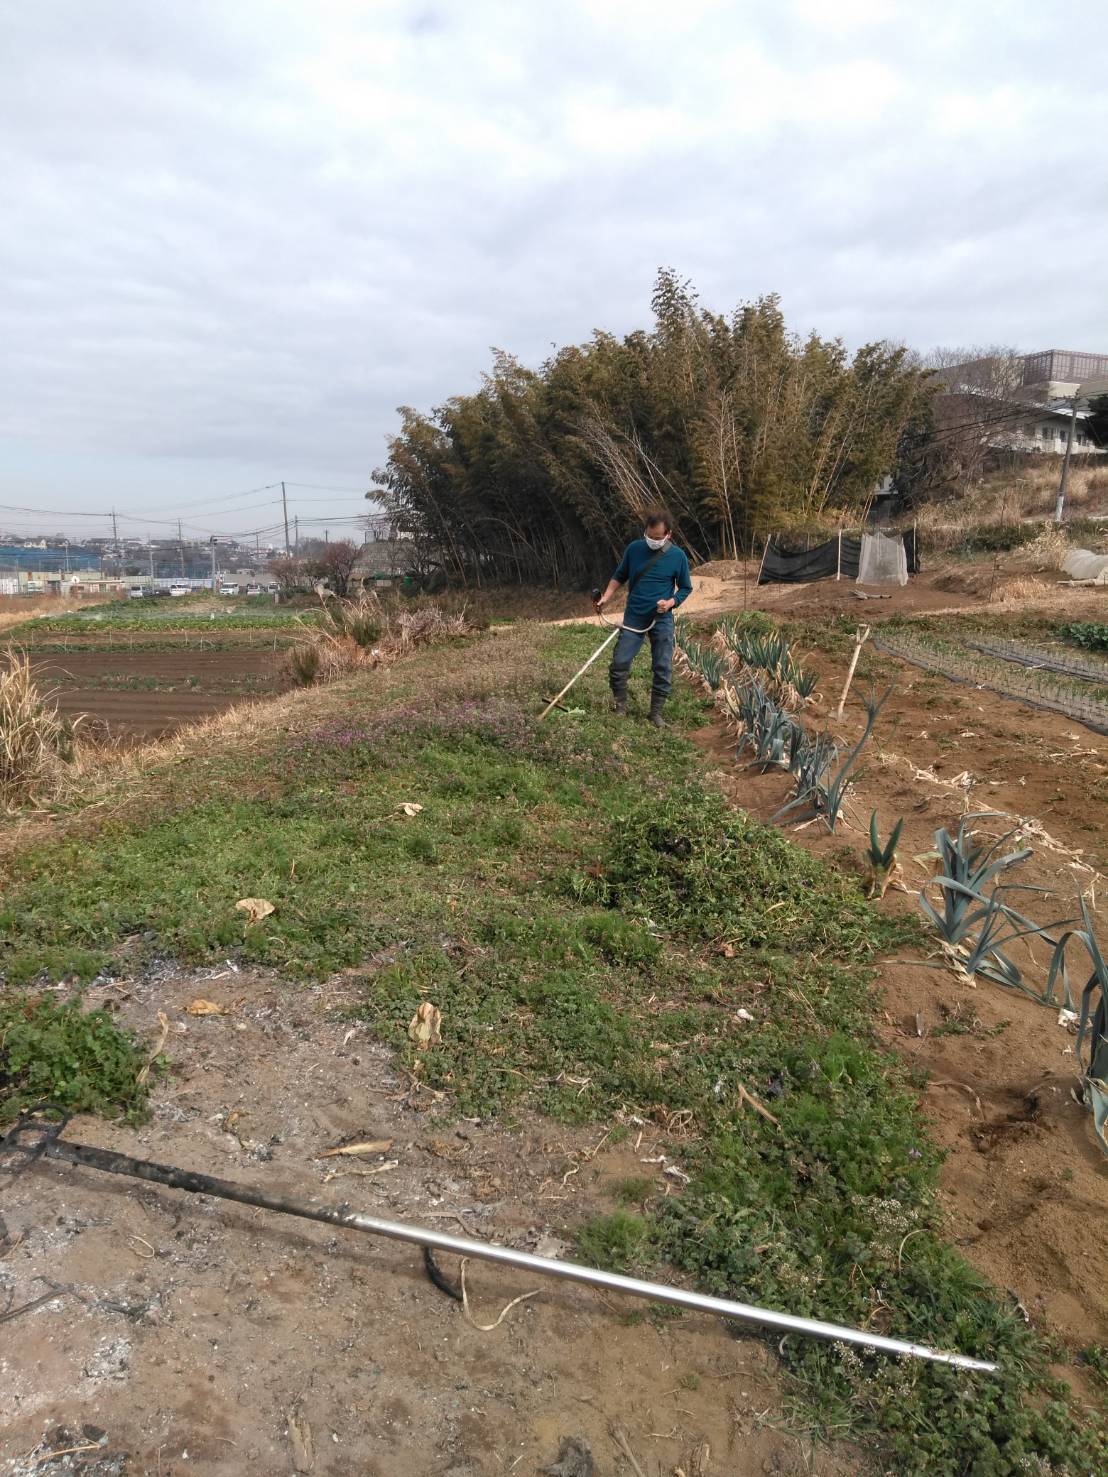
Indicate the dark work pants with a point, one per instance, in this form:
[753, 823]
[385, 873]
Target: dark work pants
[661, 655]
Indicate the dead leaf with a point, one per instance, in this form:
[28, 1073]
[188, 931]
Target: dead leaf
[697, 1462]
[163, 1022]
[255, 908]
[200, 1006]
[338, 1174]
[370, 1146]
[425, 1027]
[409, 809]
[300, 1441]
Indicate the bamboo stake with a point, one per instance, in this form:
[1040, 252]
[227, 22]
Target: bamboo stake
[765, 551]
[859, 642]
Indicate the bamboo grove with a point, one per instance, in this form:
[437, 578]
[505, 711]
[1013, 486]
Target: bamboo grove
[733, 422]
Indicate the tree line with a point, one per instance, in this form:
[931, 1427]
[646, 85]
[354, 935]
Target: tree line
[733, 422]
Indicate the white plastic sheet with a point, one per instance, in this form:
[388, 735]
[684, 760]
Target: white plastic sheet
[1083, 564]
[883, 560]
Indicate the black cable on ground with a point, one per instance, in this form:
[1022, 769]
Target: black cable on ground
[434, 1271]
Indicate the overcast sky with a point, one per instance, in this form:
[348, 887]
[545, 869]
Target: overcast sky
[236, 234]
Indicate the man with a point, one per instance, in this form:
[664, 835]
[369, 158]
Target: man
[656, 573]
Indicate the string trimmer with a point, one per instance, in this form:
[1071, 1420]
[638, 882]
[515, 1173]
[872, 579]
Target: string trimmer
[615, 630]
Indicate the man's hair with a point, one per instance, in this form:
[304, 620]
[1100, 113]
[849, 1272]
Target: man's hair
[658, 515]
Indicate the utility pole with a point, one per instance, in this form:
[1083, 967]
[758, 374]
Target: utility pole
[115, 533]
[180, 548]
[326, 535]
[1060, 501]
[1085, 390]
[214, 574]
[285, 508]
[296, 525]
[151, 547]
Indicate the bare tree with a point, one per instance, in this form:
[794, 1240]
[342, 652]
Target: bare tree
[979, 409]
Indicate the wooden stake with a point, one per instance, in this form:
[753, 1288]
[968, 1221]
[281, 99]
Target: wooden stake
[859, 642]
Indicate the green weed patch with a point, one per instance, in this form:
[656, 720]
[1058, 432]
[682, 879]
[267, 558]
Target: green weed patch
[602, 935]
[81, 1060]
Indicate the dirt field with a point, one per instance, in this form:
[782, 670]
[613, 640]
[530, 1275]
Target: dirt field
[195, 1335]
[130, 695]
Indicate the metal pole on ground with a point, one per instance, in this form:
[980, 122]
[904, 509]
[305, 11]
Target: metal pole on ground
[1060, 501]
[47, 1144]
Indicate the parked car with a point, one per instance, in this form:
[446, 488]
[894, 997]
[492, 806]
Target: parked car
[180, 589]
[136, 592]
[228, 589]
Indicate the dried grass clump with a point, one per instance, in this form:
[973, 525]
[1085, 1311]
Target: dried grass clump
[1047, 550]
[1022, 591]
[411, 628]
[345, 644]
[35, 743]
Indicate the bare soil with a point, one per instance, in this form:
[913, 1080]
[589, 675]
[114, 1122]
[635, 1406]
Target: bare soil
[109, 688]
[198, 1336]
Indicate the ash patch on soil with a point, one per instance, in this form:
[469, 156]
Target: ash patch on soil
[192, 1335]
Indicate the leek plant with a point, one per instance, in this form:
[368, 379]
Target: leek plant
[1092, 1020]
[828, 793]
[882, 859]
[977, 923]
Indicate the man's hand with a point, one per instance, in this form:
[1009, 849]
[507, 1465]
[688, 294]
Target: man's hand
[664, 606]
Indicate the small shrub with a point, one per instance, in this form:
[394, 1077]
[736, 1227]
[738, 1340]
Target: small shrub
[303, 663]
[81, 1060]
[633, 1190]
[620, 940]
[362, 621]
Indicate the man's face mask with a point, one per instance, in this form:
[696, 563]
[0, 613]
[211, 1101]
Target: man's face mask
[656, 543]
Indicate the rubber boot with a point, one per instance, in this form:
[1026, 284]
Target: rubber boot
[655, 716]
[618, 683]
[619, 704]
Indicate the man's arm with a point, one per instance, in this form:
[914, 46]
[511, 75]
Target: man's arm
[683, 587]
[684, 582]
[617, 579]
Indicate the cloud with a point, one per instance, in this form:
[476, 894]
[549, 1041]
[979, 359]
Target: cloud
[241, 235]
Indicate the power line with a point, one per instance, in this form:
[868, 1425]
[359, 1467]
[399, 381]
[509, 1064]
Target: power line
[326, 487]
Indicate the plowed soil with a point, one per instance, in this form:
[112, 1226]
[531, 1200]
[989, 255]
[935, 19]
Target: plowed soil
[130, 695]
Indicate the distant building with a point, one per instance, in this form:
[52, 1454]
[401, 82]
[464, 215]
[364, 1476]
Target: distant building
[1056, 373]
[1025, 402]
